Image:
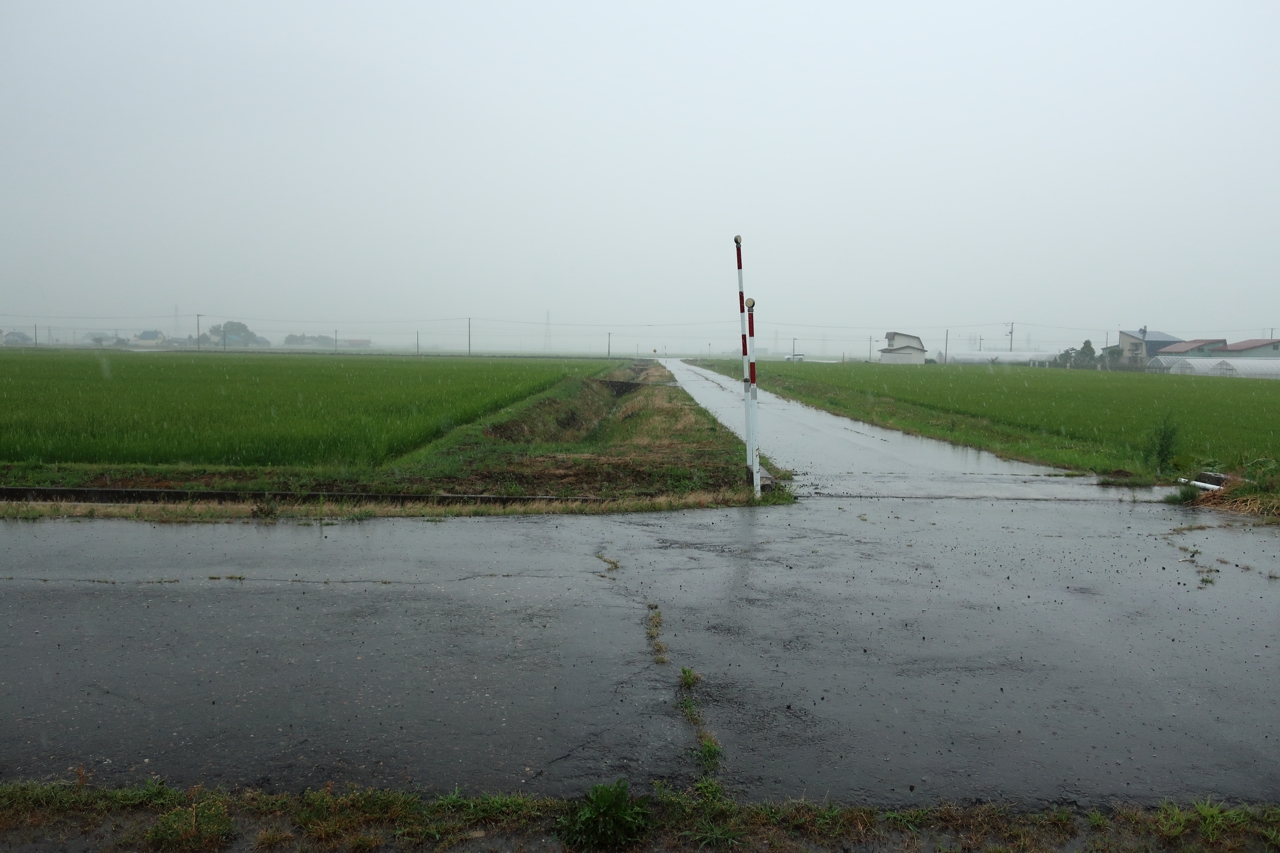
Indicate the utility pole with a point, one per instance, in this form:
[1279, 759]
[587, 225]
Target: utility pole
[468, 336]
[946, 346]
[198, 316]
[608, 353]
[793, 349]
[869, 340]
[417, 344]
[35, 331]
[979, 343]
[1010, 337]
[335, 341]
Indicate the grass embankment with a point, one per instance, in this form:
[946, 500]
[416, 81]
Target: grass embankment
[513, 428]
[1084, 420]
[156, 817]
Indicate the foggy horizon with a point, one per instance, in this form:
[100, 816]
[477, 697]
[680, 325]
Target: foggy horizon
[397, 169]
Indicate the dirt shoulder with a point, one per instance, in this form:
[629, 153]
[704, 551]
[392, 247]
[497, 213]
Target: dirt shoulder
[71, 816]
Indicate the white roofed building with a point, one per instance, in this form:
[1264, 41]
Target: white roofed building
[902, 349]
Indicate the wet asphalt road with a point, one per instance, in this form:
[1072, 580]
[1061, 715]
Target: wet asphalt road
[882, 649]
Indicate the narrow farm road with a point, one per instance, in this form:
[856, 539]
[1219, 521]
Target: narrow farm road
[835, 456]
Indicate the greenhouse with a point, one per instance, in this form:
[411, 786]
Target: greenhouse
[1248, 368]
[1180, 366]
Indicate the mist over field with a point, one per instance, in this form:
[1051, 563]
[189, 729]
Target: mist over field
[567, 171]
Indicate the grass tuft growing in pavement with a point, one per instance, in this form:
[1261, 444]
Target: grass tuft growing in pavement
[690, 709]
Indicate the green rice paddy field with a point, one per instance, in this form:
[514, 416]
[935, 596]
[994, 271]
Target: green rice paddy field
[348, 426]
[278, 410]
[1081, 419]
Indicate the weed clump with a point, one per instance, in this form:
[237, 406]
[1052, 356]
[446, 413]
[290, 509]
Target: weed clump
[608, 818]
[652, 630]
[1186, 495]
[1171, 822]
[719, 835]
[202, 825]
[709, 752]
[1161, 443]
[265, 509]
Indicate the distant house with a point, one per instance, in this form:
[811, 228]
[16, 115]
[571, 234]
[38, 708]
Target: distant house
[1255, 348]
[902, 349]
[17, 339]
[1137, 347]
[1199, 348]
[149, 339]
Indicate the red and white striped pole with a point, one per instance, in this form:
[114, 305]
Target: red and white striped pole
[742, 317]
[753, 411]
[748, 376]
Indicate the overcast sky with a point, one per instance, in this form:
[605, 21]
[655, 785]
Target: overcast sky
[1089, 166]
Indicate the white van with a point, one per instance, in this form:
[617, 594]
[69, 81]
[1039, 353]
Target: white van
[795, 357]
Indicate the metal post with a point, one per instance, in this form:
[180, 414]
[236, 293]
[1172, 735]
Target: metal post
[468, 336]
[335, 341]
[753, 410]
[946, 346]
[746, 362]
[198, 316]
[417, 344]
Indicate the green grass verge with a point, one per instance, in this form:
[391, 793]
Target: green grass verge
[1100, 421]
[157, 817]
